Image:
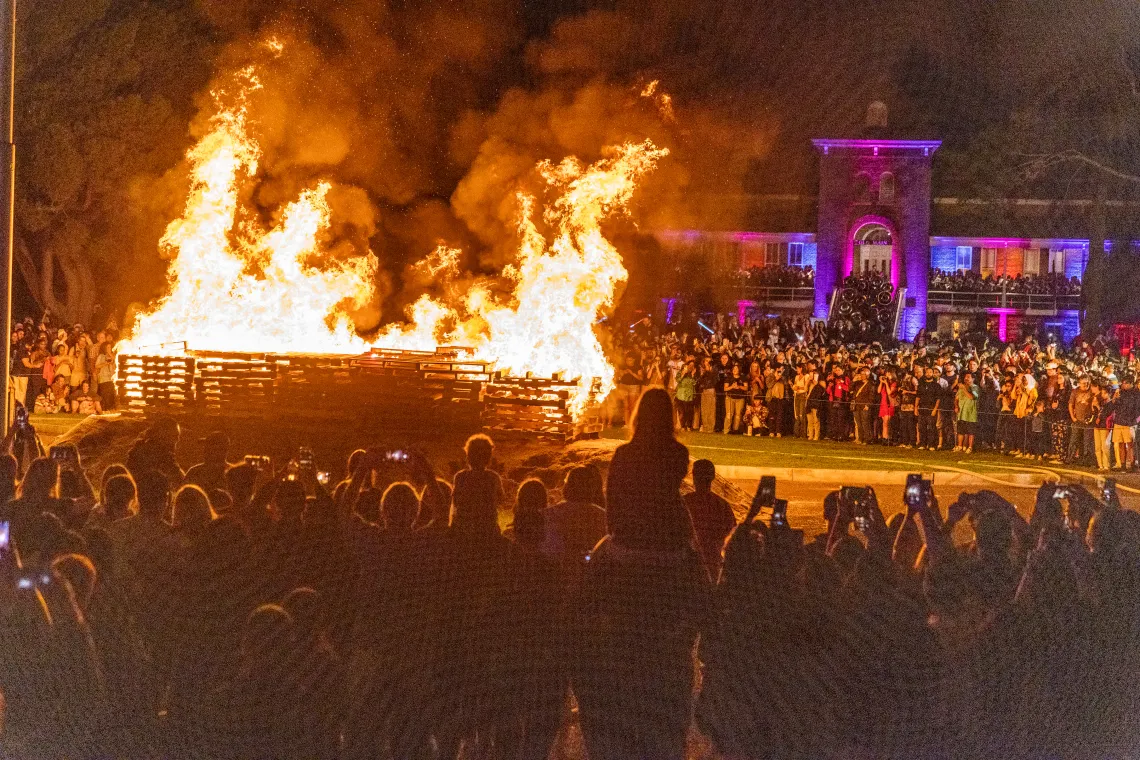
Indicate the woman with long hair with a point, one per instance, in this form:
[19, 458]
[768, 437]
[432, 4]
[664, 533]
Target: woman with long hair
[643, 592]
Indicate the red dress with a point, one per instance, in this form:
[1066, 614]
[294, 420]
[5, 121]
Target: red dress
[887, 403]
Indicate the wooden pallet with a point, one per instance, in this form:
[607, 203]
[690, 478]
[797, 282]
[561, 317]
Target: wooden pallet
[156, 383]
[393, 388]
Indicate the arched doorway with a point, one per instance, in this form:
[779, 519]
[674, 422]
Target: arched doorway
[873, 249]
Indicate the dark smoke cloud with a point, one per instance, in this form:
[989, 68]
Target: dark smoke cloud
[431, 117]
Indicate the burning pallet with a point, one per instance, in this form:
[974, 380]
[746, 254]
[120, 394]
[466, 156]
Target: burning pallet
[389, 387]
[535, 405]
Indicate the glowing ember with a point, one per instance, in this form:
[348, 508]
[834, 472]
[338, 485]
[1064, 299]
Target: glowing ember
[260, 291]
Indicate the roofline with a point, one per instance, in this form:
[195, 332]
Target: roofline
[926, 146]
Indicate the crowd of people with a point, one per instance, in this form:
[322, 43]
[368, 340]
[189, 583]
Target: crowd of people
[802, 378]
[964, 281]
[778, 276]
[267, 610]
[63, 368]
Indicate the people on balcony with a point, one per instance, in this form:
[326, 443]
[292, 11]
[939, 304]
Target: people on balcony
[1049, 284]
[778, 276]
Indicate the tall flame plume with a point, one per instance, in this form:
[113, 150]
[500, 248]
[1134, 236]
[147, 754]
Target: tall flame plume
[234, 287]
[255, 290]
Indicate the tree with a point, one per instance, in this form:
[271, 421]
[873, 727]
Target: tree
[104, 91]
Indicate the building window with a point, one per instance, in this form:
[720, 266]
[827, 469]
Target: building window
[796, 254]
[863, 188]
[963, 258]
[989, 260]
[1032, 263]
[772, 255]
[887, 188]
[1056, 260]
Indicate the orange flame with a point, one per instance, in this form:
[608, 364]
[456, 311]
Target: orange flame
[261, 292]
[561, 287]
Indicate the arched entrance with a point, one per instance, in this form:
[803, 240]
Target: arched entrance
[872, 247]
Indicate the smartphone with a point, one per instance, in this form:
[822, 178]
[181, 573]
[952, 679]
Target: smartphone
[1061, 492]
[780, 513]
[912, 494]
[859, 499]
[62, 454]
[5, 539]
[259, 462]
[765, 495]
[397, 455]
[323, 478]
[1108, 490]
[305, 457]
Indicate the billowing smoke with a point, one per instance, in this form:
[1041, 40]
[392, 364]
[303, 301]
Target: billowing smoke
[430, 117]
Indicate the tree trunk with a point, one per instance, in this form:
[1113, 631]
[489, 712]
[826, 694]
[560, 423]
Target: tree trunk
[72, 299]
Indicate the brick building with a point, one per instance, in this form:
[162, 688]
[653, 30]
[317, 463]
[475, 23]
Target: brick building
[876, 211]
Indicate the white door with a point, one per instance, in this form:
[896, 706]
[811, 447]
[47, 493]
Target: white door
[875, 258]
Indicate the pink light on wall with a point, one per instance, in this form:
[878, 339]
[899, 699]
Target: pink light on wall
[742, 308]
[849, 248]
[1003, 322]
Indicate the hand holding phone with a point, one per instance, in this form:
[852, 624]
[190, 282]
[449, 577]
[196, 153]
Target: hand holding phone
[764, 497]
[779, 513]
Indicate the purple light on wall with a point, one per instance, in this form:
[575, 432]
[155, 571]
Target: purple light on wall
[670, 307]
[849, 248]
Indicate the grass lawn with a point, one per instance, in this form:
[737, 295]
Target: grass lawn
[51, 426]
[797, 452]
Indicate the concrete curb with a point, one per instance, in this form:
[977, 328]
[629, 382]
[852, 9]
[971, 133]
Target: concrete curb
[880, 477]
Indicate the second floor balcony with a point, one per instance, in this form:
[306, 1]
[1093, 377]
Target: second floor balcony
[1030, 303]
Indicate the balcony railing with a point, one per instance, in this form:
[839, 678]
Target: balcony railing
[764, 294]
[1002, 300]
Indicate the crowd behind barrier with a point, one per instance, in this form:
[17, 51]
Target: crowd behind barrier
[249, 610]
[778, 276]
[1049, 284]
[62, 368]
[803, 378]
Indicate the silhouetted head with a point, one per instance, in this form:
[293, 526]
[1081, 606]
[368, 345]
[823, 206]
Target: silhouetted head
[400, 506]
[479, 449]
[153, 493]
[531, 496]
[192, 508]
[704, 473]
[653, 420]
[118, 496]
[41, 481]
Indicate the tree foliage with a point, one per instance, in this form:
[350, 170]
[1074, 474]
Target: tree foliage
[104, 93]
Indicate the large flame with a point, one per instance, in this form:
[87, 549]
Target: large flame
[263, 293]
[561, 287]
[251, 289]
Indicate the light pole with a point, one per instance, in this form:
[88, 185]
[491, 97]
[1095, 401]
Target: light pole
[8, 183]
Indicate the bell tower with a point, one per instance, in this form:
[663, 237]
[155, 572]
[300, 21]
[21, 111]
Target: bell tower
[874, 214]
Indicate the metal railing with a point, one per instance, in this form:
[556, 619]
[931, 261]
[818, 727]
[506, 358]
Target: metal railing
[1003, 300]
[764, 294]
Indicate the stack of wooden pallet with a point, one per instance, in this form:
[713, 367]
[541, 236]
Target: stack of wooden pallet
[534, 405]
[386, 387]
[235, 385]
[156, 383]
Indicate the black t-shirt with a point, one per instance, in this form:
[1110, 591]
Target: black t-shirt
[929, 391]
